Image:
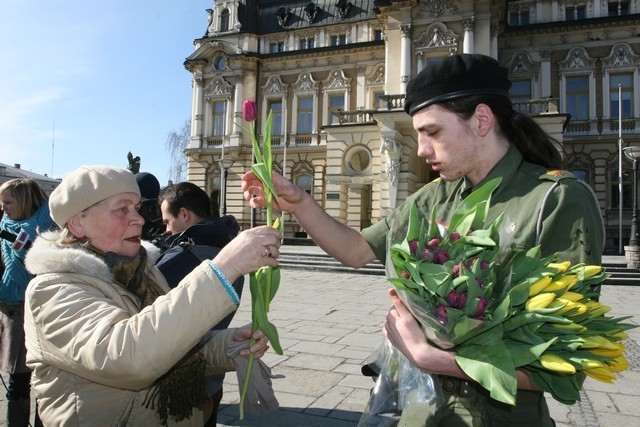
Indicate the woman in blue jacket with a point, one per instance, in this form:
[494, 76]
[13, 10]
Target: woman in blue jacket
[26, 212]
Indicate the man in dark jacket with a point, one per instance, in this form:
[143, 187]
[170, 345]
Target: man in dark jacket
[194, 237]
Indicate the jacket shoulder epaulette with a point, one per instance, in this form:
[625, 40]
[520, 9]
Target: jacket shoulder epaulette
[556, 175]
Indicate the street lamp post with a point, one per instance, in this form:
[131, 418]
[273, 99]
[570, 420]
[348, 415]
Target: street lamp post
[633, 153]
[632, 252]
[225, 164]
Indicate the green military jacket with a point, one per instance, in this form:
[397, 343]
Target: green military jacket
[550, 208]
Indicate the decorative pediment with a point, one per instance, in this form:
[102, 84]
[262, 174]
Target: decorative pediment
[522, 64]
[305, 83]
[437, 36]
[337, 80]
[621, 55]
[377, 76]
[274, 86]
[218, 88]
[577, 59]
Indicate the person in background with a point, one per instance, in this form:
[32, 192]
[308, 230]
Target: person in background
[468, 132]
[26, 213]
[186, 212]
[108, 341]
[149, 209]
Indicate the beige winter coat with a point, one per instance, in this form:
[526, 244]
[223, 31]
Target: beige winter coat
[94, 353]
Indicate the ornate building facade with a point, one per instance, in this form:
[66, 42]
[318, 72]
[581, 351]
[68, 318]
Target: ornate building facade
[333, 73]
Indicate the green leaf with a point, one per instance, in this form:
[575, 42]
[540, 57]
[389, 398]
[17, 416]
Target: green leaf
[492, 367]
[275, 281]
[266, 153]
[523, 354]
[260, 170]
[476, 197]
[413, 229]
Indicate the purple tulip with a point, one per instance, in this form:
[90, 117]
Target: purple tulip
[440, 257]
[433, 243]
[463, 300]
[441, 313]
[427, 255]
[484, 265]
[482, 306]
[456, 270]
[406, 275]
[454, 237]
[249, 110]
[479, 282]
[453, 299]
[413, 246]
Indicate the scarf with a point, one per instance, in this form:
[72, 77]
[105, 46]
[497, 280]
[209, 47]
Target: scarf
[182, 388]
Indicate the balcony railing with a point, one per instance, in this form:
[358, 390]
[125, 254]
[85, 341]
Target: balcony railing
[628, 125]
[213, 141]
[391, 102]
[537, 106]
[581, 126]
[352, 117]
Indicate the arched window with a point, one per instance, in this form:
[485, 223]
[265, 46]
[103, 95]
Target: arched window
[224, 20]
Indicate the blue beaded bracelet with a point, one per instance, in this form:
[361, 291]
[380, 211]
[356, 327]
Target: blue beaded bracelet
[225, 282]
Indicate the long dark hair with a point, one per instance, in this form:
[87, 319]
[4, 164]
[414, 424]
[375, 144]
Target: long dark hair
[534, 143]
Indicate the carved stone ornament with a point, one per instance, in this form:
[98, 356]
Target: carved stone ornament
[274, 86]
[218, 87]
[437, 36]
[311, 12]
[337, 80]
[621, 55]
[576, 59]
[305, 83]
[436, 8]
[377, 77]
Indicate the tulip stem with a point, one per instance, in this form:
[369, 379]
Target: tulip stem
[247, 377]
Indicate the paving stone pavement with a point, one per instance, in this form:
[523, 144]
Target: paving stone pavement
[330, 322]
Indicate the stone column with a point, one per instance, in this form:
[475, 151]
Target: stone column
[197, 123]
[468, 42]
[545, 73]
[405, 61]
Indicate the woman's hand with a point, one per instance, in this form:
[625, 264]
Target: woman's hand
[248, 251]
[289, 195]
[259, 348]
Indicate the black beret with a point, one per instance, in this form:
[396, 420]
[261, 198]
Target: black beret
[454, 77]
[148, 184]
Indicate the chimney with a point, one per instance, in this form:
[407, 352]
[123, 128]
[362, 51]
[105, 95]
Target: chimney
[16, 165]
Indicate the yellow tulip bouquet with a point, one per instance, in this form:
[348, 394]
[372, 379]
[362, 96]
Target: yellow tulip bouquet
[501, 309]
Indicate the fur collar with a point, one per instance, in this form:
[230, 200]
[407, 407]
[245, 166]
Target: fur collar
[46, 256]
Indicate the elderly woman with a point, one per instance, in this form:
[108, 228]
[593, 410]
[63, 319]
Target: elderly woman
[108, 342]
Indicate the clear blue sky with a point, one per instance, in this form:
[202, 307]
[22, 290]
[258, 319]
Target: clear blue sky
[109, 74]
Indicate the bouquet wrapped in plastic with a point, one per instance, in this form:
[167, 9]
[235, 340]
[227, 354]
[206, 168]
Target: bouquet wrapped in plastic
[500, 309]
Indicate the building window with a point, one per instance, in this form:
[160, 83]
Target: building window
[614, 191]
[519, 17]
[214, 196]
[305, 115]
[582, 174]
[336, 103]
[376, 98]
[377, 35]
[575, 12]
[276, 47]
[307, 43]
[618, 8]
[578, 97]
[224, 20]
[338, 39]
[520, 90]
[276, 114]
[626, 81]
[218, 118]
[305, 182]
[220, 63]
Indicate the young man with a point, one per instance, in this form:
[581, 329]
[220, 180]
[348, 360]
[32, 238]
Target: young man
[468, 132]
[195, 236]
